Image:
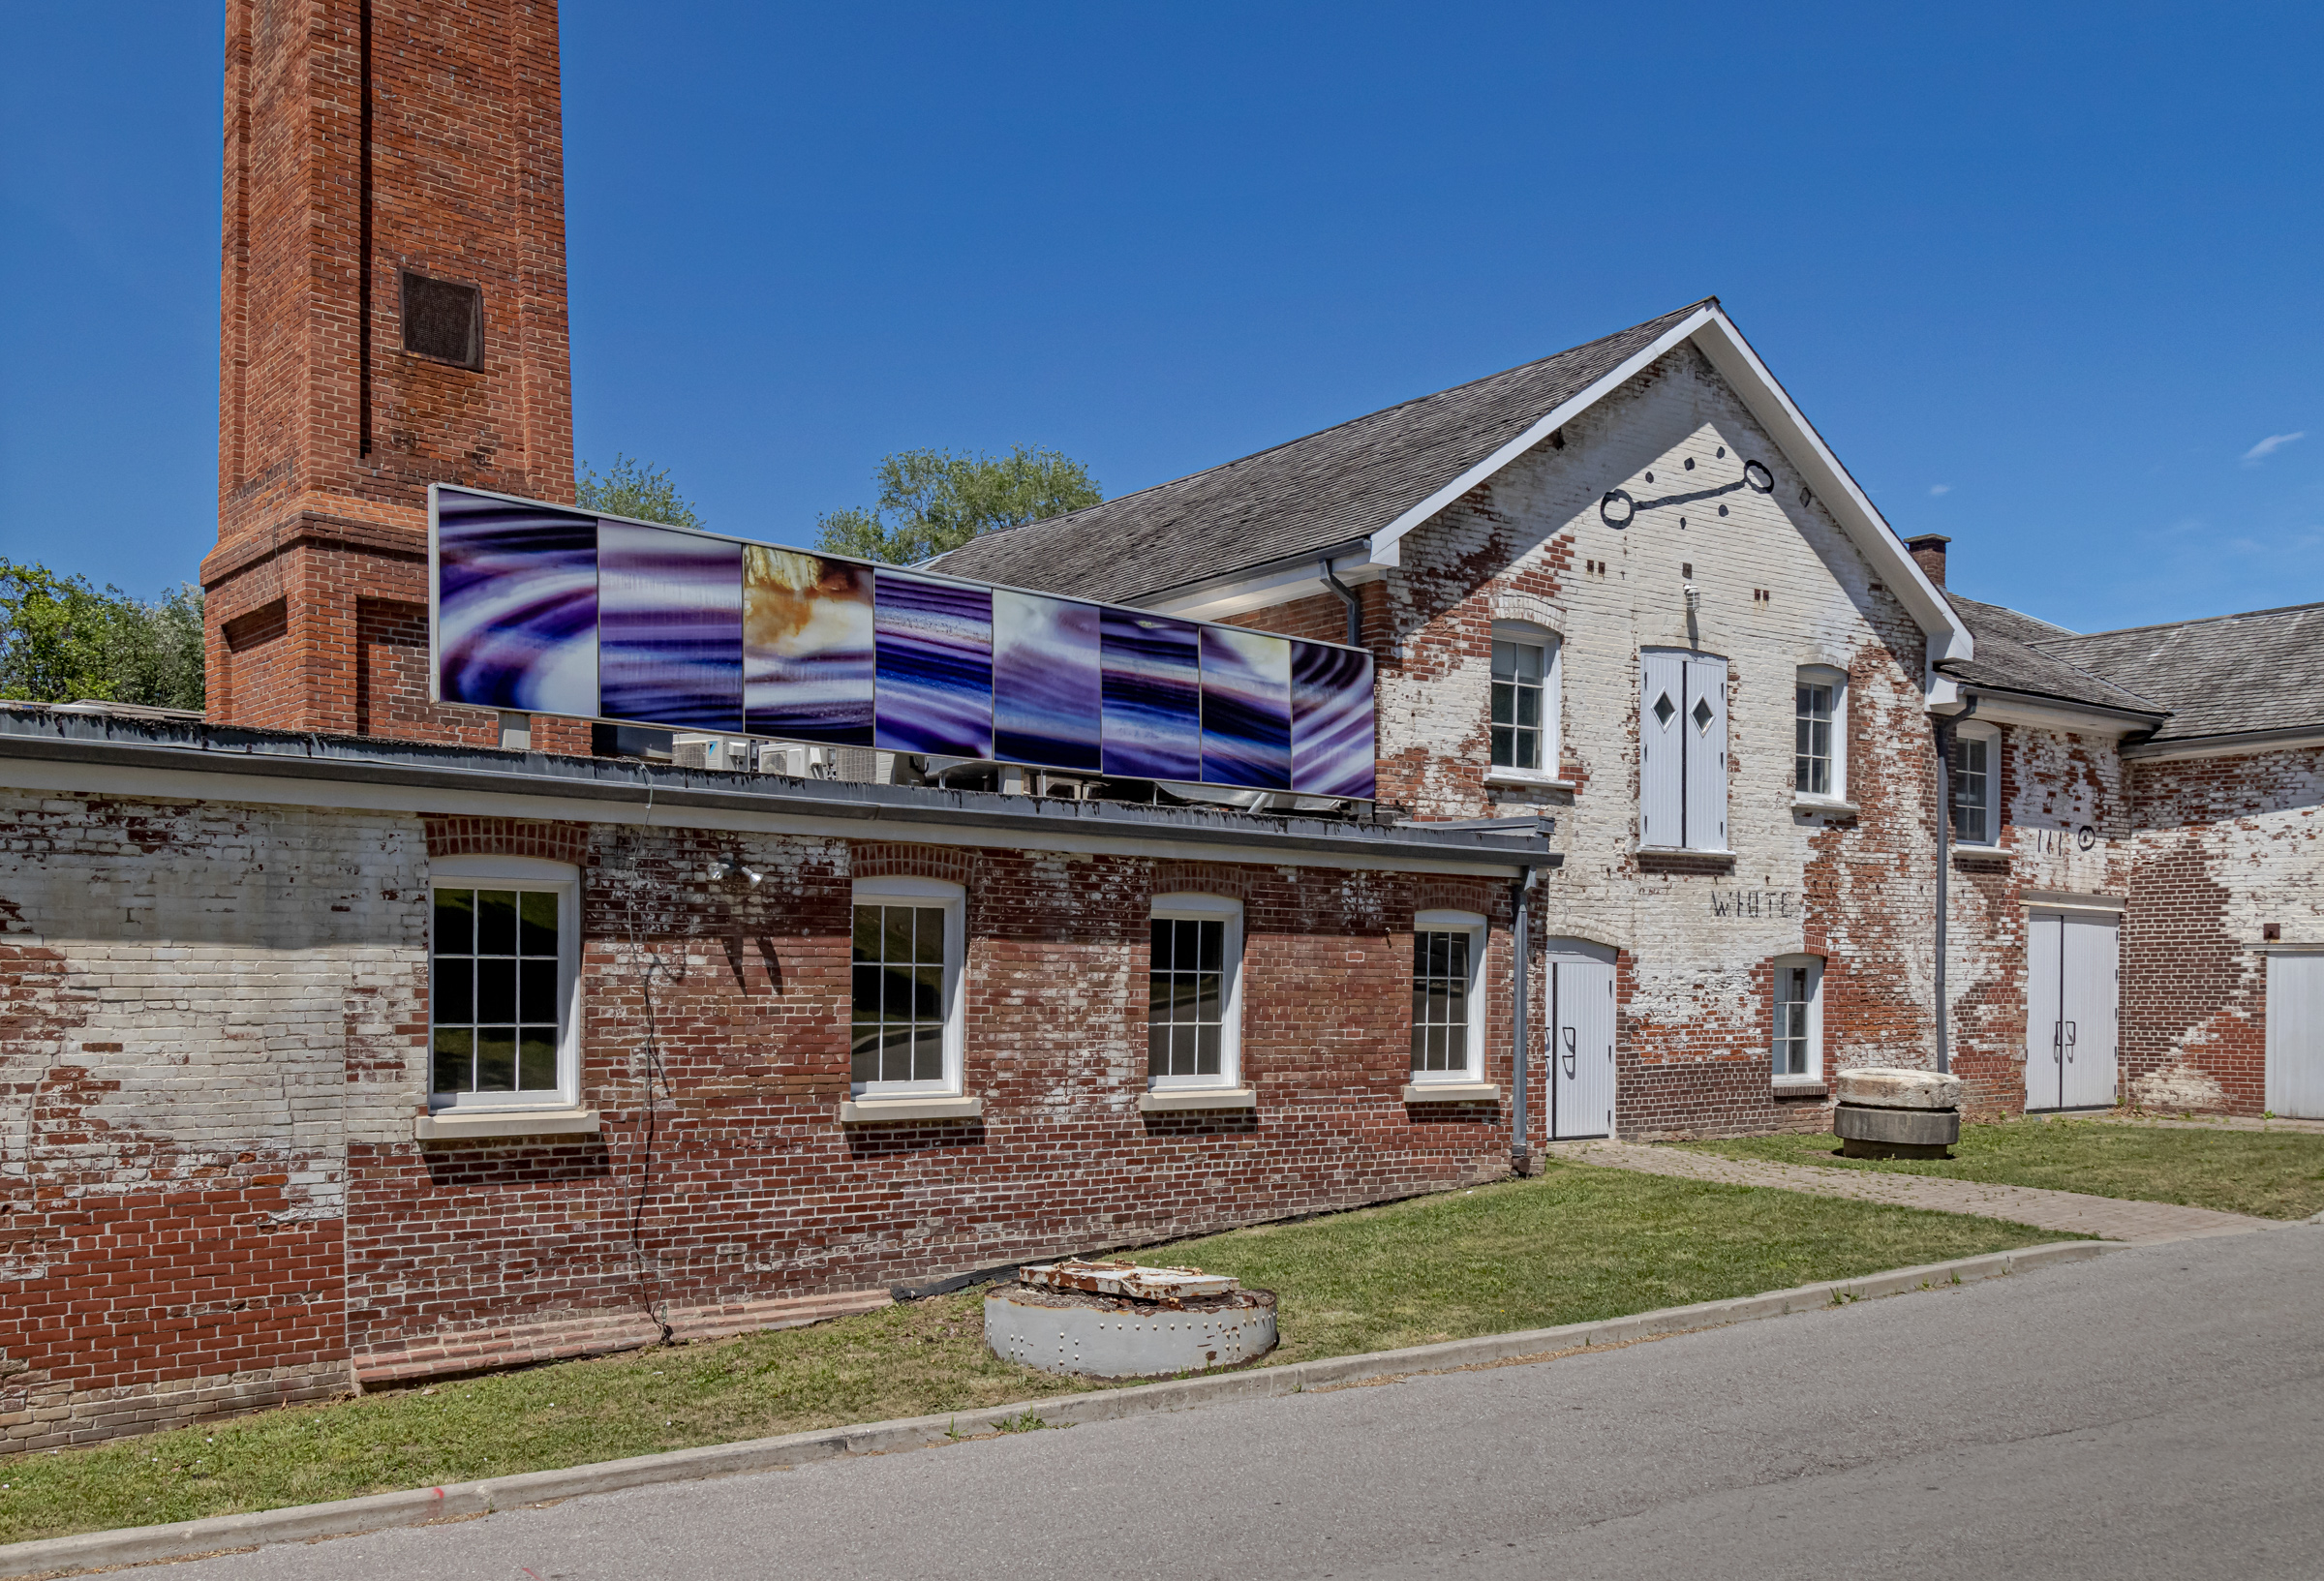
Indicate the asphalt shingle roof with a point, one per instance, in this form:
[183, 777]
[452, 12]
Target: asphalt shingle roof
[2220, 676]
[1299, 498]
[2008, 659]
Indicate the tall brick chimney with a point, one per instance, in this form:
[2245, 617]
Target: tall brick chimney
[391, 315]
[1928, 553]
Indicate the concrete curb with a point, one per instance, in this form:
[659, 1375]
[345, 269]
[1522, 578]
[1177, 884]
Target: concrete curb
[347, 1517]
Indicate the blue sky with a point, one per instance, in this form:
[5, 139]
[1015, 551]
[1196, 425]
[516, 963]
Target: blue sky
[2045, 277]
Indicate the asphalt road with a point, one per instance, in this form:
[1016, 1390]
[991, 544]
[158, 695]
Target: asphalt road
[2156, 1413]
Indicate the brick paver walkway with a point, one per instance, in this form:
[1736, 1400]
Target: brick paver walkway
[2109, 1218]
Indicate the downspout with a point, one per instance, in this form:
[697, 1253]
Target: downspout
[1945, 863]
[1520, 1151]
[1347, 595]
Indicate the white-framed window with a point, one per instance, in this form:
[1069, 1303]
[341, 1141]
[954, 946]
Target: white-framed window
[1977, 785]
[1798, 1018]
[904, 1020]
[1448, 998]
[1525, 705]
[1194, 993]
[1819, 734]
[503, 969]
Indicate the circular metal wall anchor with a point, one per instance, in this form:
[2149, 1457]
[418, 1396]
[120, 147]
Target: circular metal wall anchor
[1616, 509]
[1756, 475]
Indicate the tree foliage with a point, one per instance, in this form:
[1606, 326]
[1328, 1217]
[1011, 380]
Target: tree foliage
[934, 501]
[631, 488]
[64, 641]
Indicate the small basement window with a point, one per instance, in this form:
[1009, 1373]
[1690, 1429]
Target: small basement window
[1798, 1018]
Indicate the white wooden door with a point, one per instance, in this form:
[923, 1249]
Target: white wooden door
[2089, 972]
[1581, 1039]
[2295, 1083]
[2045, 1014]
[1661, 749]
[1706, 754]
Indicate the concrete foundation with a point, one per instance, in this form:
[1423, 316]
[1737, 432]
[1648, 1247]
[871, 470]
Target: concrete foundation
[1060, 1331]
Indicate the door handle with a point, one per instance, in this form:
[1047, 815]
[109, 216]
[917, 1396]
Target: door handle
[1568, 1051]
[2072, 1033]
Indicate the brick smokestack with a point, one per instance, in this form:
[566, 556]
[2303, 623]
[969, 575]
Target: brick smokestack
[391, 315]
[1928, 553]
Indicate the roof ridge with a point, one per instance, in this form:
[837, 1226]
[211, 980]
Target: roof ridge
[2200, 620]
[1364, 416]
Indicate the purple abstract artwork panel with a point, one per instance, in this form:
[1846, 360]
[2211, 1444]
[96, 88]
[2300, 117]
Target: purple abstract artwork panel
[1246, 709]
[934, 643]
[808, 656]
[1331, 751]
[516, 605]
[1153, 695]
[1047, 684]
[669, 627]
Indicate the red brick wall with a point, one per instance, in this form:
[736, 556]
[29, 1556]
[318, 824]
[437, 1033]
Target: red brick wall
[329, 432]
[750, 1188]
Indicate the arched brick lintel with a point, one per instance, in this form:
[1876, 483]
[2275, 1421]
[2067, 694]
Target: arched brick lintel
[507, 838]
[890, 859]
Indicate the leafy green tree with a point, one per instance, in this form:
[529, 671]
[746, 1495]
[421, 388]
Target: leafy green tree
[934, 501]
[631, 488]
[64, 641]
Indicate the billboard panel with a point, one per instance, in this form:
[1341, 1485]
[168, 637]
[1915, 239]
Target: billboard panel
[669, 626]
[1153, 668]
[549, 610]
[1047, 694]
[808, 669]
[1246, 709]
[935, 665]
[516, 605]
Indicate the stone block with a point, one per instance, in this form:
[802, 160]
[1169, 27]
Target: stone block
[1880, 1086]
[1897, 1127]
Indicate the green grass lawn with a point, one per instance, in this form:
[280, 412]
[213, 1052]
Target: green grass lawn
[2275, 1174]
[1576, 1244]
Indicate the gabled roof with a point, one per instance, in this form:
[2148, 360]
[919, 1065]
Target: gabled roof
[2013, 655]
[1367, 482]
[2228, 675]
[1301, 498]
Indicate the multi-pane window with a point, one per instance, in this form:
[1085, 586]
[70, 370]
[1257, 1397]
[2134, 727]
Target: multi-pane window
[1440, 999]
[1186, 998]
[899, 1013]
[1520, 669]
[1971, 787]
[497, 973]
[1795, 984]
[1812, 740]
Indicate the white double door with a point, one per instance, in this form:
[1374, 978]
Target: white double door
[1579, 987]
[2295, 1081]
[2072, 992]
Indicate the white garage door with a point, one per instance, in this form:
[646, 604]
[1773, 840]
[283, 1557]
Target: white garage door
[2296, 1035]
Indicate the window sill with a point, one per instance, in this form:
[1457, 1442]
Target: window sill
[1452, 1092]
[475, 1125]
[1170, 1099]
[1666, 858]
[1519, 779]
[1801, 1086]
[935, 1107]
[1825, 804]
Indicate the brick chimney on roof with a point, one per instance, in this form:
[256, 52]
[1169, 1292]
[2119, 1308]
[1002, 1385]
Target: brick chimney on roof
[391, 315]
[1928, 553]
